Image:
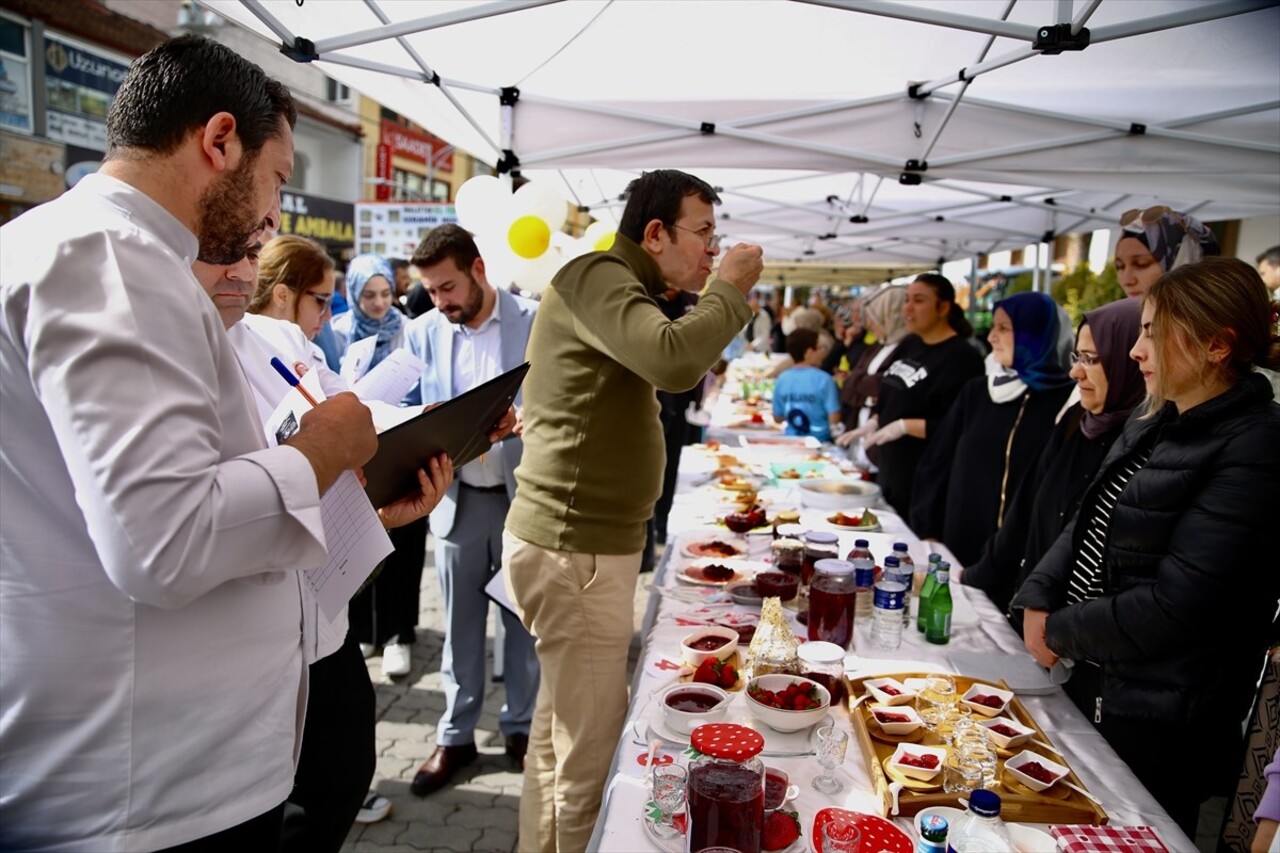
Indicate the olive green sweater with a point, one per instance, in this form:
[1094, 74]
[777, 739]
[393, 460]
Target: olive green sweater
[593, 449]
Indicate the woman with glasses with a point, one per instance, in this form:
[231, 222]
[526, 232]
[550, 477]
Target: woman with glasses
[1155, 241]
[1110, 387]
[919, 384]
[1160, 596]
[295, 283]
[997, 428]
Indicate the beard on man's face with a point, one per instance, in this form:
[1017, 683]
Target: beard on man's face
[471, 307]
[227, 218]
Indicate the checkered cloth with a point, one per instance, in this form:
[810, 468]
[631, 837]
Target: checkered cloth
[1108, 839]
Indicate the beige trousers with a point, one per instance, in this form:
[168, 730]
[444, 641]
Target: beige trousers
[578, 607]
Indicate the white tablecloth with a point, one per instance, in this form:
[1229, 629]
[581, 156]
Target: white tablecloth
[979, 627]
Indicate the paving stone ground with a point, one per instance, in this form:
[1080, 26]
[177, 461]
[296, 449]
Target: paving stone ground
[478, 811]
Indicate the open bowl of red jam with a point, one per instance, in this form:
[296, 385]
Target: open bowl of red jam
[896, 720]
[1035, 771]
[687, 706]
[917, 761]
[1006, 733]
[987, 700]
[714, 641]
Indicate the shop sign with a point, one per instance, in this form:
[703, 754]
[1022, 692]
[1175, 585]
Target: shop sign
[79, 86]
[418, 146]
[328, 221]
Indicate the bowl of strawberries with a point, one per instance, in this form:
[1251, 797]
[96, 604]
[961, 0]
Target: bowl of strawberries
[787, 703]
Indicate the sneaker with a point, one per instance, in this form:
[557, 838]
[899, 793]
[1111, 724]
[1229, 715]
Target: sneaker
[368, 650]
[376, 807]
[395, 660]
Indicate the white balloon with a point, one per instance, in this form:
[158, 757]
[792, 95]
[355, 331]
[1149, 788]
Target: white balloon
[537, 274]
[596, 232]
[500, 263]
[542, 201]
[483, 204]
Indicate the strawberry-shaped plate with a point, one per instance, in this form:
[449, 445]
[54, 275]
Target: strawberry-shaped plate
[877, 833]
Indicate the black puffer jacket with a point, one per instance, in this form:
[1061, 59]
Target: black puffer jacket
[1190, 577]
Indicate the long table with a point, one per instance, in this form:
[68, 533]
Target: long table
[979, 628]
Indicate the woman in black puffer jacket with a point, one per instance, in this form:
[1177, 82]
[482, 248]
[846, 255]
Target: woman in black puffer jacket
[1162, 593]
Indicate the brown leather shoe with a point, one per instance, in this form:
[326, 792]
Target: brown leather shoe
[517, 745]
[437, 770]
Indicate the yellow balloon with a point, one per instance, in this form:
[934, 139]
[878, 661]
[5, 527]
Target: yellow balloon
[604, 243]
[529, 236]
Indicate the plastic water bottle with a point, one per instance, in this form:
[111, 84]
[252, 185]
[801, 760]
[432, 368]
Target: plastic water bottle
[930, 584]
[933, 834]
[861, 549]
[864, 579]
[980, 830]
[903, 573]
[937, 629]
[886, 619]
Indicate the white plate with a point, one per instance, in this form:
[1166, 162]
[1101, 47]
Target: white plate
[743, 570]
[1028, 839]
[728, 539]
[778, 744]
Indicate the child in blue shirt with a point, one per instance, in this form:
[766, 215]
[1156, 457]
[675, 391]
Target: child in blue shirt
[804, 395]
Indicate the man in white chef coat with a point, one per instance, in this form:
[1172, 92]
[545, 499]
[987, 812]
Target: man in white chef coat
[151, 667]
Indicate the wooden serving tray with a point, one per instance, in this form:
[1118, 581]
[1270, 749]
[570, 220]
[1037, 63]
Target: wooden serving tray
[1059, 804]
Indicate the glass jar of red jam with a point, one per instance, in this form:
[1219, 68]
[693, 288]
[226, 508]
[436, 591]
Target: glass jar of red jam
[725, 795]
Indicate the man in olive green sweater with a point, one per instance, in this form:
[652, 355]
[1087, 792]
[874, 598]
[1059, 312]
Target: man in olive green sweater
[592, 470]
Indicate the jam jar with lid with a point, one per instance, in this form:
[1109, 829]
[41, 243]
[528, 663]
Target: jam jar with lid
[832, 597]
[818, 545]
[726, 788]
[824, 663]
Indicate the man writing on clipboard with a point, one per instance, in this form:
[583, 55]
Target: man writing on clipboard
[476, 333]
[592, 471]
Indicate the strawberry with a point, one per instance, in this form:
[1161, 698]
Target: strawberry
[728, 676]
[781, 829]
[706, 672]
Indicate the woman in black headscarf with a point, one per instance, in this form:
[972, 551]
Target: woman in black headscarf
[1110, 386]
[997, 427]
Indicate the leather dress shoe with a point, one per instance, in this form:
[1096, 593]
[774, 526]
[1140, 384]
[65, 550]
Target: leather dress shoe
[437, 770]
[517, 745]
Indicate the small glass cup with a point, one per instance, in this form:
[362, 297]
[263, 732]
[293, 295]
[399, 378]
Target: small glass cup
[669, 783]
[841, 836]
[939, 691]
[832, 743]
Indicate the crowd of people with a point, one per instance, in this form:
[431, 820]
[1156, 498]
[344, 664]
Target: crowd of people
[168, 681]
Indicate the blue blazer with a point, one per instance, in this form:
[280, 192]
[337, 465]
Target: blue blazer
[430, 338]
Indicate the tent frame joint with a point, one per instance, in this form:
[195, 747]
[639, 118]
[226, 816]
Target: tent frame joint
[914, 93]
[1137, 129]
[509, 162]
[914, 165]
[1053, 39]
[707, 128]
[301, 50]
[508, 96]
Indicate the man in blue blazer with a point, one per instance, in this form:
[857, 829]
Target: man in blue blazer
[476, 333]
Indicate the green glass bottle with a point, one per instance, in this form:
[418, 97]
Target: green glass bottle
[938, 628]
[926, 590]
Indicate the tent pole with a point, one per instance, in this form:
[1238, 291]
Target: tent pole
[273, 23]
[1085, 14]
[418, 25]
[1063, 13]
[937, 17]
[431, 74]
[973, 287]
[1030, 147]
[1187, 15]
[975, 70]
[1035, 275]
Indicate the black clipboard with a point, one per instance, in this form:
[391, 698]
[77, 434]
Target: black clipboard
[459, 428]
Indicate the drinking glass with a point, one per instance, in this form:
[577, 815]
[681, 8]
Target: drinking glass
[669, 781]
[832, 743]
[841, 836]
[939, 691]
[961, 773]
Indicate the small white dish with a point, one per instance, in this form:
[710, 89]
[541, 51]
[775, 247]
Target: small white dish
[912, 722]
[693, 656]
[685, 722]
[924, 774]
[1007, 741]
[1028, 839]
[1014, 767]
[986, 690]
[902, 696]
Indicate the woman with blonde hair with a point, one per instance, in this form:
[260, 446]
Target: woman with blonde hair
[1159, 597]
[295, 283]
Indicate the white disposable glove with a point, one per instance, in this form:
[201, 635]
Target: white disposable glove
[696, 416]
[850, 436]
[892, 432]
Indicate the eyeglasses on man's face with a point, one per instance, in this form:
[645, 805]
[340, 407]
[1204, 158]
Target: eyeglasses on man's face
[708, 234]
[1088, 359]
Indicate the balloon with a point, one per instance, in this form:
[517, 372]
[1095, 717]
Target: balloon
[537, 274]
[500, 263]
[543, 202]
[482, 203]
[529, 236]
[599, 236]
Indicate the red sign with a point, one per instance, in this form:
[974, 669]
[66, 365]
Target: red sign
[416, 145]
[384, 172]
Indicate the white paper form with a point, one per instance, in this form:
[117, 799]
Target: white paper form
[353, 533]
[392, 378]
[356, 540]
[356, 362]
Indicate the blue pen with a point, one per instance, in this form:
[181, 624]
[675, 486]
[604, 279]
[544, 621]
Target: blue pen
[292, 380]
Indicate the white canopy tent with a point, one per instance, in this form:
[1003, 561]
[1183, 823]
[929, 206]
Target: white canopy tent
[896, 132]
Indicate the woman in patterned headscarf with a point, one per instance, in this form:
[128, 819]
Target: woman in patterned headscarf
[1156, 240]
[371, 285]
